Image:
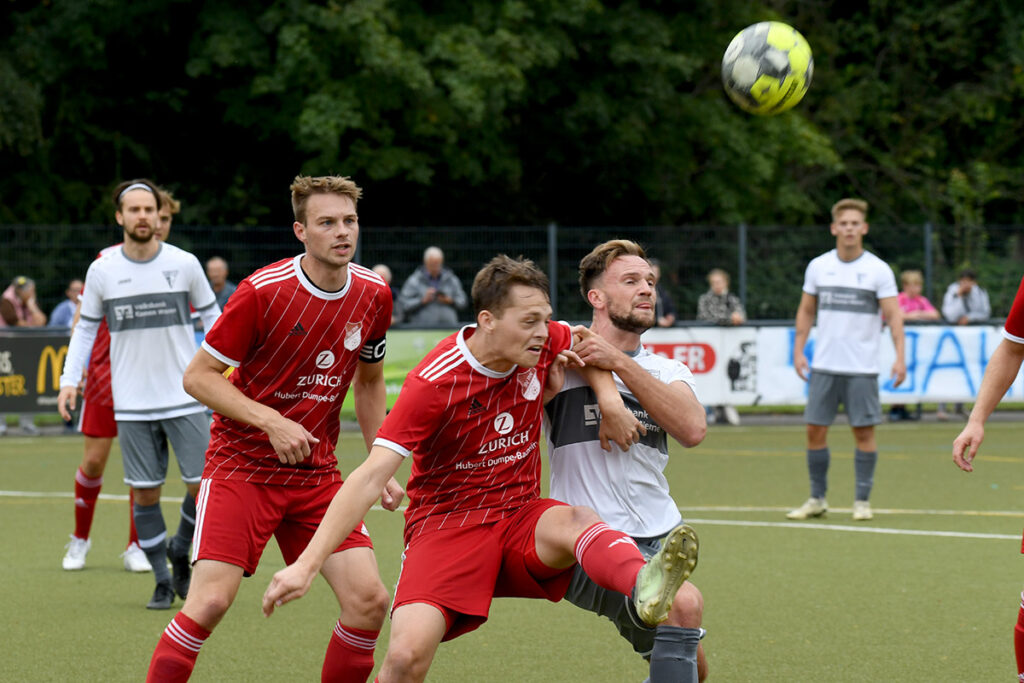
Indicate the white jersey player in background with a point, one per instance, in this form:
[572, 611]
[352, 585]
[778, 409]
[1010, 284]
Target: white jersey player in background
[144, 290]
[627, 488]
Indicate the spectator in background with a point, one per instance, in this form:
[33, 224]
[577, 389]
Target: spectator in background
[385, 274]
[217, 274]
[18, 308]
[965, 302]
[915, 306]
[433, 294]
[64, 312]
[721, 306]
[664, 307]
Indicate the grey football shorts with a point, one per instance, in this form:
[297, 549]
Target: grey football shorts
[583, 592]
[857, 393]
[145, 454]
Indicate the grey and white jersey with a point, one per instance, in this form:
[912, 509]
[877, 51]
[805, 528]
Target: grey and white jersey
[627, 489]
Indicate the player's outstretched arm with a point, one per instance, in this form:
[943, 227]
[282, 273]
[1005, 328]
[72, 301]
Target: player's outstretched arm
[804, 319]
[370, 394]
[1002, 369]
[204, 379]
[349, 506]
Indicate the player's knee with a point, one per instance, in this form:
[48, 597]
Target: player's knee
[406, 661]
[583, 517]
[369, 603]
[207, 608]
[687, 607]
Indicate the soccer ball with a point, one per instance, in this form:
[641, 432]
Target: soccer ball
[767, 68]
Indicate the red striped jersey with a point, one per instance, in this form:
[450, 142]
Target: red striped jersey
[1013, 329]
[473, 434]
[295, 348]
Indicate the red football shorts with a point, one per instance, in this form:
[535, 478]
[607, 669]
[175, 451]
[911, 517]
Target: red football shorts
[97, 420]
[235, 520]
[459, 571]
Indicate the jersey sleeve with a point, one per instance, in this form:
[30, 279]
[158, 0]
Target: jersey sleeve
[200, 291]
[681, 373]
[810, 278]
[238, 327]
[374, 349]
[560, 336]
[414, 418]
[886, 282]
[92, 293]
[1014, 327]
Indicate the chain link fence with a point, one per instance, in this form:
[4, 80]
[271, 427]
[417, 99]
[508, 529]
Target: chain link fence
[766, 263]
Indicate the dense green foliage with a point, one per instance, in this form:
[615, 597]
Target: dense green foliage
[503, 113]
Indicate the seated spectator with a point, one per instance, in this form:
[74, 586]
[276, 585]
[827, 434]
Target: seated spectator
[915, 306]
[217, 274]
[433, 294]
[396, 308]
[64, 312]
[18, 308]
[664, 307]
[721, 306]
[964, 302]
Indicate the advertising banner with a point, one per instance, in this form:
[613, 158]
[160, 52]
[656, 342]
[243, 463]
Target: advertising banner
[30, 367]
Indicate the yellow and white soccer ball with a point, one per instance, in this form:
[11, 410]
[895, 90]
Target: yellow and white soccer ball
[767, 68]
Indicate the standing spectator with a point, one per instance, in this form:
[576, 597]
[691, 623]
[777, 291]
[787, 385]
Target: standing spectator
[147, 286]
[1002, 370]
[217, 274]
[721, 306]
[915, 306]
[396, 309]
[99, 427]
[964, 302]
[433, 294]
[64, 312]
[18, 308]
[845, 288]
[664, 307]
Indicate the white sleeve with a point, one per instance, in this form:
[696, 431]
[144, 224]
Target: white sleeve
[809, 278]
[79, 349]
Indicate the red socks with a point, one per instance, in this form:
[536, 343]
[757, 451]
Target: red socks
[133, 535]
[609, 557]
[175, 654]
[87, 490]
[349, 656]
[1018, 640]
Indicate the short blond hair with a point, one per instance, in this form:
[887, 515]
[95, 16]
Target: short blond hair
[850, 203]
[593, 265]
[908, 276]
[167, 200]
[304, 187]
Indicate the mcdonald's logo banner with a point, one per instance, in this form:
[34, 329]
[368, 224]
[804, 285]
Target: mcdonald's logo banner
[30, 365]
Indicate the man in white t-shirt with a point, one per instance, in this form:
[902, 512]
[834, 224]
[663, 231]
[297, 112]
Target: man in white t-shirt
[849, 290]
[627, 488]
[144, 291]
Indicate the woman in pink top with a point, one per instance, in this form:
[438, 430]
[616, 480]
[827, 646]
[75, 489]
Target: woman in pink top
[915, 306]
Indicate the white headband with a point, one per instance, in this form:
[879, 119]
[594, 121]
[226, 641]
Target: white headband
[134, 186]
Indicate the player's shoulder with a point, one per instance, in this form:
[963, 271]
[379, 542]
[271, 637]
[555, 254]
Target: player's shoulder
[361, 275]
[272, 274]
[444, 364]
[653, 362]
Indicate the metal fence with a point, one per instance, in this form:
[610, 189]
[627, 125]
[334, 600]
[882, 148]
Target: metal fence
[766, 262]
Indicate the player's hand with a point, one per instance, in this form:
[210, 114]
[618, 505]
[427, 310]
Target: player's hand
[392, 495]
[289, 584]
[965, 446]
[556, 373]
[801, 366]
[597, 351]
[621, 426]
[68, 396]
[899, 373]
[291, 441]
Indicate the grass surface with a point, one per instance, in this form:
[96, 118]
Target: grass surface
[910, 596]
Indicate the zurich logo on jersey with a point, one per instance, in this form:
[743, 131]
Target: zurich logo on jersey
[324, 360]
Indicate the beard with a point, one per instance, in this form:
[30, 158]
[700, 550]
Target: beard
[636, 322]
[134, 237]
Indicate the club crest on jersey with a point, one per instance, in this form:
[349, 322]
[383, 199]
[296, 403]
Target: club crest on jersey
[170, 276]
[324, 360]
[353, 335]
[529, 385]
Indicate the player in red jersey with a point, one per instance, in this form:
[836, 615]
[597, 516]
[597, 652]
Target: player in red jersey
[299, 332]
[1002, 370]
[98, 428]
[476, 526]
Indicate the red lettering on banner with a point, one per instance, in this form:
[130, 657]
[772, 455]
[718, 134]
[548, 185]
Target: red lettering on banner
[700, 358]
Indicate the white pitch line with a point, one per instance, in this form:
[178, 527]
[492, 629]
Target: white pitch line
[859, 529]
[884, 511]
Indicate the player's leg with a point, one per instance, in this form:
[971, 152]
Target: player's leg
[214, 587]
[1018, 639]
[823, 397]
[416, 631]
[144, 453]
[677, 652]
[189, 436]
[355, 580]
[88, 481]
[864, 409]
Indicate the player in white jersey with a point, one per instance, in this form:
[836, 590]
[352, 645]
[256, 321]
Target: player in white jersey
[144, 291]
[849, 289]
[627, 488]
